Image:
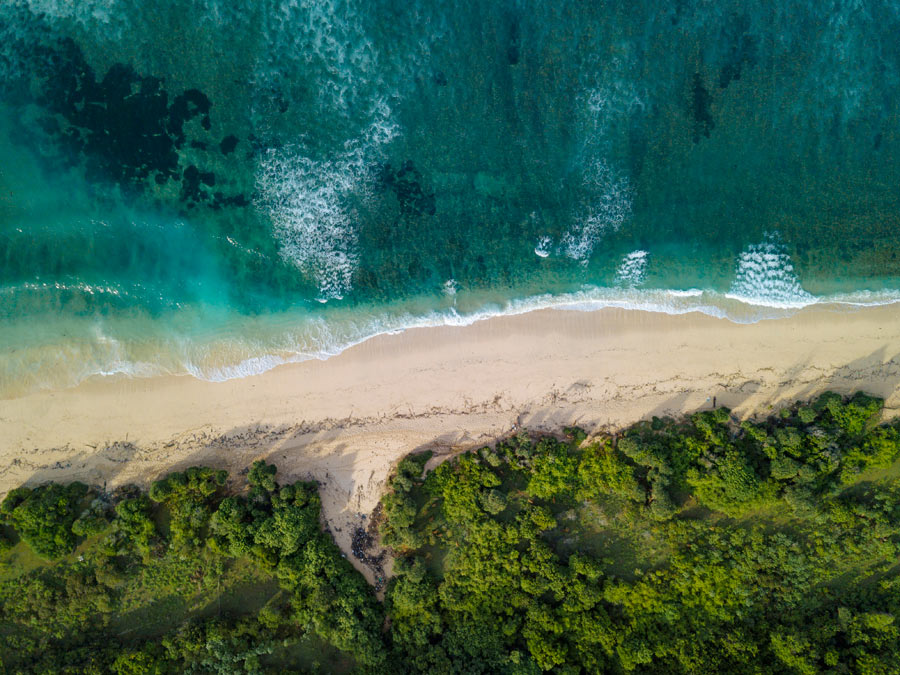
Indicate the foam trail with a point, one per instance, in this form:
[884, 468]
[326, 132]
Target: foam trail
[306, 200]
[305, 192]
[451, 287]
[609, 206]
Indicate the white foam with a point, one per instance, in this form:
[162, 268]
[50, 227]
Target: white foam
[608, 206]
[248, 367]
[632, 271]
[306, 200]
[765, 276]
[543, 247]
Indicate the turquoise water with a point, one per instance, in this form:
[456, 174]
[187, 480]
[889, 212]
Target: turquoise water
[214, 187]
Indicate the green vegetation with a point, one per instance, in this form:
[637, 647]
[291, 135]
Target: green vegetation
[694, 546]
[44, 517]
[183, 580]
[689, 546]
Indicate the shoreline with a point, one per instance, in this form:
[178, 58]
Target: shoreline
[293, 340]
[347, 420]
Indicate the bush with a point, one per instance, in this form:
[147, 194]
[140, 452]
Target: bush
[494, 502]
[134, 522]
[807, 414]
[43, 516]
[731, 486]
[853, 416]
[6, 543]
[554, 470]
[92, 520]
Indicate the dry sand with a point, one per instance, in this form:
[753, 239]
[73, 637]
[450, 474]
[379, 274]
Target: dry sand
[347, 420]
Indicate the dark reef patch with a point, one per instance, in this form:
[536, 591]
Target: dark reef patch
[228, 144]
[123, 123]
[701, 102]
[123, 126]
[192, 185]
[406, 184]
[512, 42]
[741, 53]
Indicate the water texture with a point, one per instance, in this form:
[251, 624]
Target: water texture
[214, 187]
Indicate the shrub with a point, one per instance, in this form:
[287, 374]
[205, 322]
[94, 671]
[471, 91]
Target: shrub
[494, 502]
[602, 471]
[43, 516]
[554, 470]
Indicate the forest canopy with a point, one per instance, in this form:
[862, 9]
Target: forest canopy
[699, 545]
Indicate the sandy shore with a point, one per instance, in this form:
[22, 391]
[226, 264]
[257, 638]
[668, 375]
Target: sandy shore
[346, 421]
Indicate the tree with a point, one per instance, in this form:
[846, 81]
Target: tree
[602, 471]
[189, 496]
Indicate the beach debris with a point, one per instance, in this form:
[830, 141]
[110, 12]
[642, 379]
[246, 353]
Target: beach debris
[364, 547]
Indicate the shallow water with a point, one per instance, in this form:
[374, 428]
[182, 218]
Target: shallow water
[214, 187]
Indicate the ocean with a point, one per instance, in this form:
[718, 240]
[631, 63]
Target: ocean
[215, 187]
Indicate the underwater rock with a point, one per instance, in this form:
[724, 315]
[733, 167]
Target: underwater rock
[228, 144]
[701, 100]
[406, 184]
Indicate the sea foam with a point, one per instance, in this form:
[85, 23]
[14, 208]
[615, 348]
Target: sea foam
[607, 207]
[305, 200]
[765, 276]
[632, 271]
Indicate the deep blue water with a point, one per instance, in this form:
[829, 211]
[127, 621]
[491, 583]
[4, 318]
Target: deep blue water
[214, 187]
